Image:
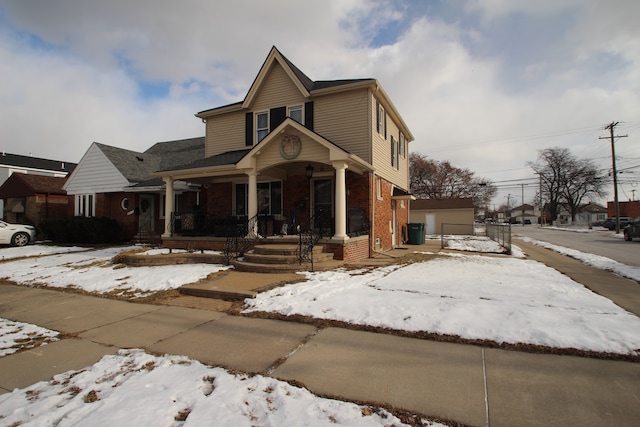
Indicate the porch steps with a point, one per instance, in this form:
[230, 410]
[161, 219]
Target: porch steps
[283, 258]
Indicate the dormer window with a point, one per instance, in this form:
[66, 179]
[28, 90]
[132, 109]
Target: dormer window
[296, 113]
[262, 125]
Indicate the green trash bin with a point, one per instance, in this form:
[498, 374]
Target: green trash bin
[416, 233]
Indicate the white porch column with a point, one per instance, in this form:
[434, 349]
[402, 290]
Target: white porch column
[341, 201]
[168, 205]
[252, 208]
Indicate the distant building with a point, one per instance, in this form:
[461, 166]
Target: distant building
[15, 163]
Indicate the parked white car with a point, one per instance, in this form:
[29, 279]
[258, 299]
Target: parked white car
[16, 234]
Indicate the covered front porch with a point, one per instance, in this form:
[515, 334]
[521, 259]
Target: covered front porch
[294, 182]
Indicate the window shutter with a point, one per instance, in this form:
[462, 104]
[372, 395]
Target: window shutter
[393, 151]
[308, 115]
[248, 129]
[377, 116]
[276, 116]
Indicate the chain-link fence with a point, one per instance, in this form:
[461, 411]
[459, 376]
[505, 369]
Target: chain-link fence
[500, 233]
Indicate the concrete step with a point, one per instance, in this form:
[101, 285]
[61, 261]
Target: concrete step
[282, 249]
[285, 268]
[217, 293]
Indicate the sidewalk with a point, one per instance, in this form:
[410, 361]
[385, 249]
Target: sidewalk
[463, 383]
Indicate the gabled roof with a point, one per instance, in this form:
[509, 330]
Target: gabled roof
[593, 208]
[23, 185]
[29, 162]
[308, 88]
[138, 167]
[456, 203]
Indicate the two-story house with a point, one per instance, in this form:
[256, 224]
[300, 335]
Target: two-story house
[300, 154]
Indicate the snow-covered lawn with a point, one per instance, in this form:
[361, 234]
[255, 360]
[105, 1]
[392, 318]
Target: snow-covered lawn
[597, 261]
[16, 336]
[92, 271]
[134, 388]
[9, 252]
[502, 299]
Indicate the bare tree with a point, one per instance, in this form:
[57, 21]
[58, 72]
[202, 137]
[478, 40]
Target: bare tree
[431, 179]
[566, 180]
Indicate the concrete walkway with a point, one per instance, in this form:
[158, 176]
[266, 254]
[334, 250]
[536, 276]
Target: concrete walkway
[464, 383]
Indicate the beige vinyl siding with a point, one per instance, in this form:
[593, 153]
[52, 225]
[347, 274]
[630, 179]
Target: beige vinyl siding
[95, 174]
[277, 90]
[225, 133]
[342, 118]
[382, 152]
[311, 151]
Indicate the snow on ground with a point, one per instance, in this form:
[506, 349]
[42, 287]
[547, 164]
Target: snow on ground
[473, 244]
[502, 299]
[92, 271]
[163, 251]
[7, 253]
[16, 336]
[134, 388]
[597, 261]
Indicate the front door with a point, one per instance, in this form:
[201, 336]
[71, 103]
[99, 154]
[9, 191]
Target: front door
[323, 205]
[146, 217]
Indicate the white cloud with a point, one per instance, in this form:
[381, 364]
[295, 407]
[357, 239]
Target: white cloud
[472, 88]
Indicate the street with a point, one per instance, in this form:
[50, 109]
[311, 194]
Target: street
[599, 242]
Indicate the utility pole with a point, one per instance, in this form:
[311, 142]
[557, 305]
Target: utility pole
[613, 137]
[523, 204]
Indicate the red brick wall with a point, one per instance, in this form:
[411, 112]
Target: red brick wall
[352, 250]
[219, 199]
[382, 215]
[630, 209]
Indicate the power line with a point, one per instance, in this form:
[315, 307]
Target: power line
[613, 137]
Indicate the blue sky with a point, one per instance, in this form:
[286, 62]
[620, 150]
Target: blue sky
[485, 84]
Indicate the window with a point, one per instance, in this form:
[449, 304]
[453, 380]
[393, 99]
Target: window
[381, 120]
[85, 205]
[379, 187]
[262, 126]
[296, 113]
[269, 198]
[176, 204]
[403, 145]
[395, 161]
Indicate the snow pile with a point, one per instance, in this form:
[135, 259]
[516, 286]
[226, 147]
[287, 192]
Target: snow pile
[473, 244]
[16, 336]
[93, 271]
[133, 388]
[597, 261]
[501, 299]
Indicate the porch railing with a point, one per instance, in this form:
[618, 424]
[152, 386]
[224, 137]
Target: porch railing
[320, 225]
[241, 237]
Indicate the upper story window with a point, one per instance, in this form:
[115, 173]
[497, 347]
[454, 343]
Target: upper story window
[395, 153]
[296, 113]
[262, 125]
[403, 145]
[381, 120]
